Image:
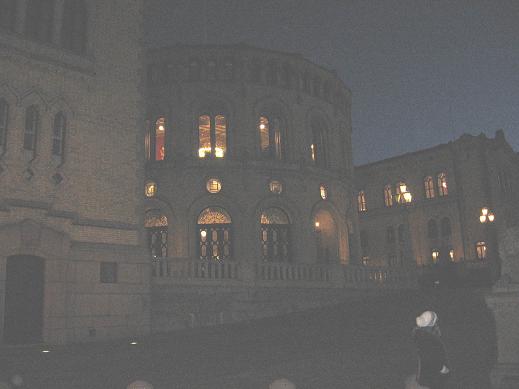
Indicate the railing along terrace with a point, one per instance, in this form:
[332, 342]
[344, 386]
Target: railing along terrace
[274, 271]
[376, 277]
[185, 268]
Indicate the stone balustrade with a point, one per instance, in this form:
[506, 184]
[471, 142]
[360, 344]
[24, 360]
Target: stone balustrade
[279, 274]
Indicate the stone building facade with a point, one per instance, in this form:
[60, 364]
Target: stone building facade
[73, 265]
[447, 203]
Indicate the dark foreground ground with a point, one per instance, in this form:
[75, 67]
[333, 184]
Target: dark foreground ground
[357, 345]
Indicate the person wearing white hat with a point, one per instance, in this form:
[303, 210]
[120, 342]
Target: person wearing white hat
[432, 360]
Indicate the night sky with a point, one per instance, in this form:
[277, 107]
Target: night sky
[422, 72]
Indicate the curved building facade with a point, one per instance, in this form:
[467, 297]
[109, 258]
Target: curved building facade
[248, 157]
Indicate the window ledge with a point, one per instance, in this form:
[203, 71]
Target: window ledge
[43, 52]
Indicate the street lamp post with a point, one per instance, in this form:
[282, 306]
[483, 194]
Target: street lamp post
[487, 218]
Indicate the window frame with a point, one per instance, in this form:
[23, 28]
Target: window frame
[361, 201]
[213, 136]
[429, 189]
[443, 184]
[32, 128]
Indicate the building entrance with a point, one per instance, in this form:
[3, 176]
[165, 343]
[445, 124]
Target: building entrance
[23, 318]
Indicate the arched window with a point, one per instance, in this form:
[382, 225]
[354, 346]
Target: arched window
[156, 141]
[195, 70]
[403, 195]
[32, 124]
[285, 76]
[8, 15]
[4, 117]
[58, 135]
[156, 225]
[443, 186]
[272, 74]
[390, 235]
[211, 70]
[39, 20]
[255, 70]
[361, 201]
[74, 27]
[446, 229]
[429, 187]
[388, 196]
[432, 229]
[271, 137]
[275, 235]
[481, 250]
[212, 136]
[228, 69]
[318, 147]
[214, 234]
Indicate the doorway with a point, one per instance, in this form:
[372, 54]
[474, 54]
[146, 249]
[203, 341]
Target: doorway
[23, 318]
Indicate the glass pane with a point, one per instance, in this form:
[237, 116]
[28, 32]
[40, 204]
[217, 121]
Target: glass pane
[160, 136]
[264, 134]
[221, 136]
[204, 136]
[278, 152]
[214, 215]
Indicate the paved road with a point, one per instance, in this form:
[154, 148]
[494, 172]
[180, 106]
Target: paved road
[359, 345]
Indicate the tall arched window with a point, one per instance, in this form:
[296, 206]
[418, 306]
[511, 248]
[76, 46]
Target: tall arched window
[74, 27]
[8, 15]
[39, 20]
[403, 195]
[156, 141]
[429, 187]
[214, 234]
[212, 136]
[432, 229]
[388, 196]
[4, 117]
[271, 137]
[443, 186]
[58, 135]
[275, 235]
[318, 147]
[32, 124]
[361, 201]
[445, 226]
[156, 225]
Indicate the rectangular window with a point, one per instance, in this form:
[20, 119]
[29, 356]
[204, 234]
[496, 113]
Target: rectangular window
[221, 136]
[204, 136]
[108, 272]
[481, 250]
[32, 122]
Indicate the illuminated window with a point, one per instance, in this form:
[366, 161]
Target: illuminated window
[275, 187]
[435, 255]
[443, 187]
[361, 201]
[432, 229]
[445, 226]
[275, 245]
[8, 15]
[195, 70]
[214, 185]
[481, 250]
[451, 254]
[324, 192]
[317, 147]
[58, 135]
[156, 141]
[212, 136]
[429, 187]
[214, 234]
[271, 138]
[32, 124]
[403, 196]
[388, 196]
[74, 26]
[156, 225]
[4, 116]
[150, 189]
[39, 20]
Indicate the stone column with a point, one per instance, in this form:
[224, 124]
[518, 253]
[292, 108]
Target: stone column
[503, 300]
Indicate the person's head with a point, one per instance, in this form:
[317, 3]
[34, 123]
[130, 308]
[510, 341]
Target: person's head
[427, 320]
